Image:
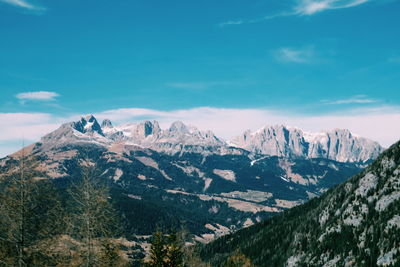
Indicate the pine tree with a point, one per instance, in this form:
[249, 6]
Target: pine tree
[158, 250]
[174, 255]
[167, 250]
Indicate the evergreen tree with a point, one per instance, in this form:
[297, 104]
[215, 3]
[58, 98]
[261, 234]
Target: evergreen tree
[168, 251]
[158, 251]
[174, 255]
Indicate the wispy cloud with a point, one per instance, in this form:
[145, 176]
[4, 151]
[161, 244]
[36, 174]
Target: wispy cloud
[38, 96]
[24, 4]
[232, 22]
[311, 7]
[250, 21]
[198, 85]
[302, 8]
[358, 99]
[295, 55]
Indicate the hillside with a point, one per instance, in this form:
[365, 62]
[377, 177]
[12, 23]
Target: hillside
[354, 224]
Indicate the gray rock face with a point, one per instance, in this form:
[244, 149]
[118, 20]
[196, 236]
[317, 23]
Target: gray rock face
[339, 145]
[146, 129]
[88, 125]
[276, 141]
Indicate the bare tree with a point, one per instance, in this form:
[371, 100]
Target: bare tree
[29, 210]
[16, 195]
[93, 216]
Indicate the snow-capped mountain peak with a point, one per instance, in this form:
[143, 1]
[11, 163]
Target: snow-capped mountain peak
[88, 125]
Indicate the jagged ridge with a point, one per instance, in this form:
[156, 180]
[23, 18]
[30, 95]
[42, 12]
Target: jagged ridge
[339, 145]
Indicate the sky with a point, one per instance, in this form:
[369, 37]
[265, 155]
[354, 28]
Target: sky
[226, 65]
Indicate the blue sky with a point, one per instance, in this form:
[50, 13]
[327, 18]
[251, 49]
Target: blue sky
[299, 59]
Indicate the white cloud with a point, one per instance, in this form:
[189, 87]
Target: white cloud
[39, 96]
[302, 8]
[17, 128]
[232, 22]
[358, 99]
[296, 55]
[311, 7]
[22, 4]
[256, 20]
[29, 126]
[380, 124]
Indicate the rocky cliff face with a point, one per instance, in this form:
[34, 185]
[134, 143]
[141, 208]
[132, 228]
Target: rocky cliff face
[339, 145]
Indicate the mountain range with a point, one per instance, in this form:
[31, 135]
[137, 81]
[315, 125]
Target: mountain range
[338, 145]
[182, 176]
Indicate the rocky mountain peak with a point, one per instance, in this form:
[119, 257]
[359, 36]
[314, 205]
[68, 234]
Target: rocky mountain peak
[88, 124]
[89, 118]
[284, 141]
[178, 127]
[106, 124]
[146, 128]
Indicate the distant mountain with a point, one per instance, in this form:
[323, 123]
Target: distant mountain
[177, 139]
[339, 145]
[354, 224]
